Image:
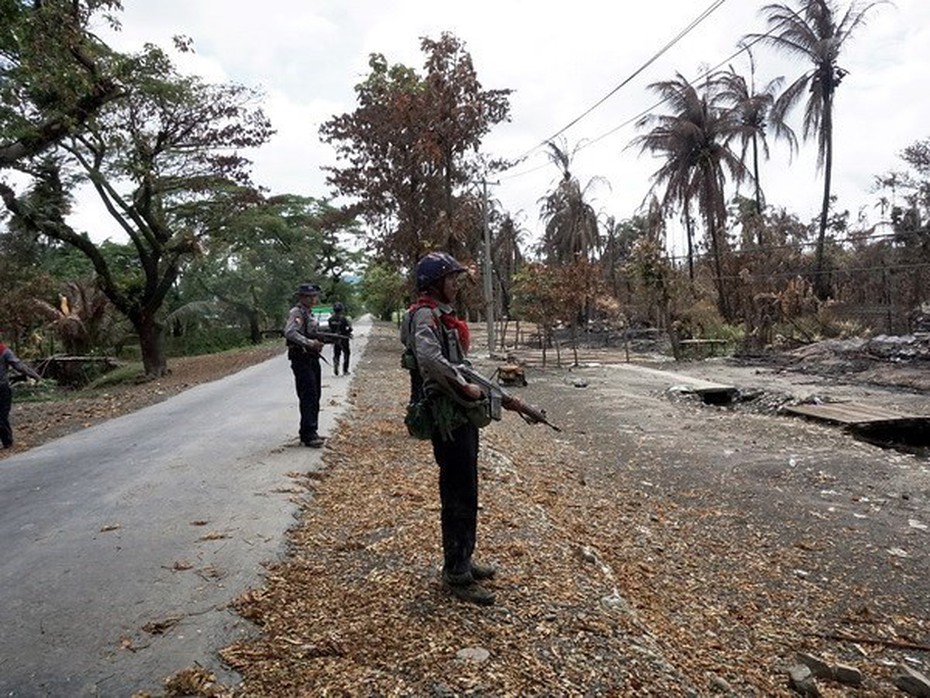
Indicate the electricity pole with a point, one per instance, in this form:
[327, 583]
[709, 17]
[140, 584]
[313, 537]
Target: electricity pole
[488, 281]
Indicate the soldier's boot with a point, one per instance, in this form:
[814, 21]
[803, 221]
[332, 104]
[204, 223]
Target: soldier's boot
[473, 593]
[479, 571]
[463, 587]
[315, 441]
[454, 579]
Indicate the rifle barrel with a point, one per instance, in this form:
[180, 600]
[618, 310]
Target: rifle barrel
[531, 413]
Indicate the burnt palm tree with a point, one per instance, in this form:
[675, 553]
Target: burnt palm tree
[508, 257]
[620, 236]
[693, 139]
[816, 31]
[754, 117]
[571, 231]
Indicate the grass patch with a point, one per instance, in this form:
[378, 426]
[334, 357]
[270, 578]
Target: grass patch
[127, 373]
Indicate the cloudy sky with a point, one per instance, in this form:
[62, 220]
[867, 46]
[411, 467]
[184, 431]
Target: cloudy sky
[560, 60]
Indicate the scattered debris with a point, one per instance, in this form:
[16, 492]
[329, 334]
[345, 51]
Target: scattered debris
[913, 682]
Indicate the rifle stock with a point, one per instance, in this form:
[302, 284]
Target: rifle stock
[530, 413]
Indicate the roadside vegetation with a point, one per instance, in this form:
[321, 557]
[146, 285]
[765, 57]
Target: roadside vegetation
[208, 257]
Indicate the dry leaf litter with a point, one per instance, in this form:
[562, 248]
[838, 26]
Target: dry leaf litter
[607, 585]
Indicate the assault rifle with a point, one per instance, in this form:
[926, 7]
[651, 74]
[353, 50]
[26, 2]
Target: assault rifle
[329, 337]
[499, 397]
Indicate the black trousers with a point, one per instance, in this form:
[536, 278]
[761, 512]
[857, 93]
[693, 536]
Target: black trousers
[6, 403]
[306, 370]
[341, 347]
[458, 494]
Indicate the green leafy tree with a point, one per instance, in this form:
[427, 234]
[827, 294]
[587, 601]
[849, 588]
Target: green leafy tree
[253, 265]
[655, 280]
[54, 73]
[910, 220]
[166, 162]
[619, 238]
[411, 150]
[815, 31]
[383, 290]
[507, 257]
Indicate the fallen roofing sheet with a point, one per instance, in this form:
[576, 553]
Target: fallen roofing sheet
[851, 413]
[874, 424]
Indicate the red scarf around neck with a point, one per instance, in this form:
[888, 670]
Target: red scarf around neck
[2, 347]
[448, 319]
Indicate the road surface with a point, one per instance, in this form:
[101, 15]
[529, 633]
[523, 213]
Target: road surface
[124, 543]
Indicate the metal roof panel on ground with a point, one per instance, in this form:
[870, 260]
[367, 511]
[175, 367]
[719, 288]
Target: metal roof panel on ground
[851, 413]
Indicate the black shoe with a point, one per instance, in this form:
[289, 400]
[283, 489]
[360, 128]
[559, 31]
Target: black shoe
[314, 442]
[335, 371]
[479, 571]
[457, 579]
[346, 372]
[472, 593]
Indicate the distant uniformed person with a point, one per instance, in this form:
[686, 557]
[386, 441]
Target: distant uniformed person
[340, 325]
[303, 350]
[9, 360]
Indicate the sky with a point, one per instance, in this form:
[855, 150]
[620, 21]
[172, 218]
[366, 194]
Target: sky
[560, 59]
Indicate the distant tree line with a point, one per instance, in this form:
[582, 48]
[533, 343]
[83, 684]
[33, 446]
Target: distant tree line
[205, 246]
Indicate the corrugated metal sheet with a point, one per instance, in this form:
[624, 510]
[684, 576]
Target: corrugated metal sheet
[851, 413]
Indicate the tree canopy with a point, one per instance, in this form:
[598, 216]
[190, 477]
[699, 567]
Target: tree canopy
[412, 148]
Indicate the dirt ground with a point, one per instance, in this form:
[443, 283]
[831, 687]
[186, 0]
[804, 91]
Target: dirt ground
[655, 546]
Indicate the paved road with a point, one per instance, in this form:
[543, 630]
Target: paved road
[155, 519]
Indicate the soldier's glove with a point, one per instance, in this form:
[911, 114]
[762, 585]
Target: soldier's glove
[314, 346]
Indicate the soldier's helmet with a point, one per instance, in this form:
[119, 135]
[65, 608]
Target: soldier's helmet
[434, 267]
[307, 290]
[338, 307]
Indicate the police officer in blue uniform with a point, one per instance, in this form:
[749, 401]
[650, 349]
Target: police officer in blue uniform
[340, 325]
[303, 350]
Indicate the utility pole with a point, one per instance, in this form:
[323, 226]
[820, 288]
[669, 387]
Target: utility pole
[488, 282]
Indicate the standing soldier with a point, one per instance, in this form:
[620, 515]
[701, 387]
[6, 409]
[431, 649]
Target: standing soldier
[339, 324]
[438, 340]
[9, 360]
[303, 349]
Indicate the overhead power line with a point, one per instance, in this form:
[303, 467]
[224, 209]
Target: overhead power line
[684, 32]
[645, 112]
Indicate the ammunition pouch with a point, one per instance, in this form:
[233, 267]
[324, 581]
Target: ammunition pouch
[451, 411]
[419, 420]
[479, 413]
[409, 361]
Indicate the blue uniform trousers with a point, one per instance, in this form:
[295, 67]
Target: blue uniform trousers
[306, 370]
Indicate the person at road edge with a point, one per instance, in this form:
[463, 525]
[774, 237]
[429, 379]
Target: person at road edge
[9, 360]
[438, 340]
[303, 350]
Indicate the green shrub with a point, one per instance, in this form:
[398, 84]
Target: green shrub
[205, 341]
[127, 373]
